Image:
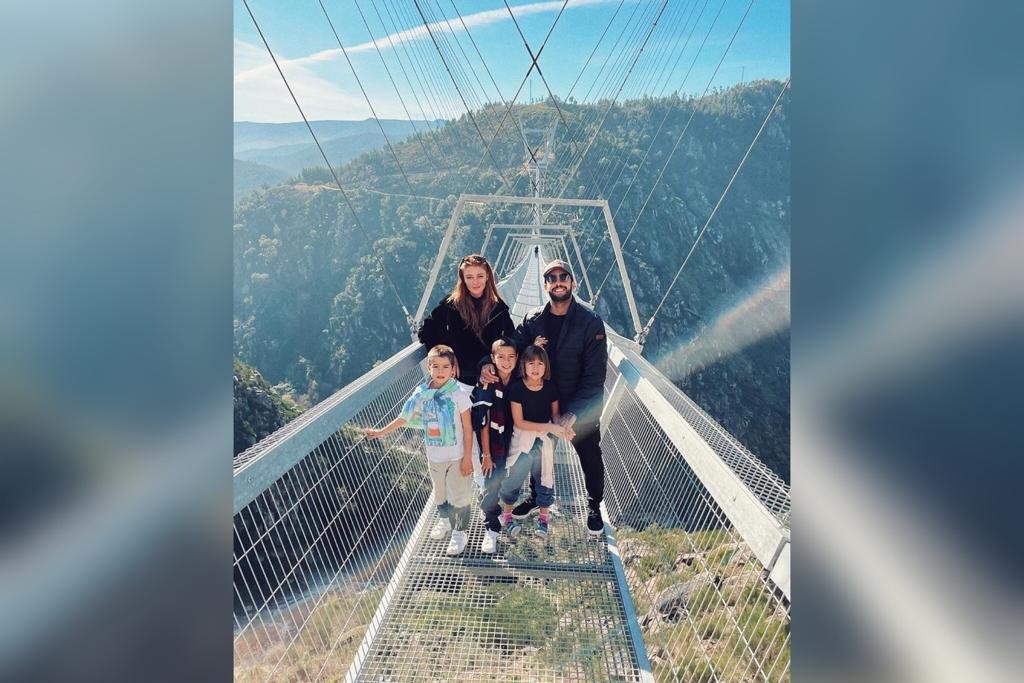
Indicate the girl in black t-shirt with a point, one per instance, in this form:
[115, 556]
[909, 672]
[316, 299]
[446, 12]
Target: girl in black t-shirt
[535, 414]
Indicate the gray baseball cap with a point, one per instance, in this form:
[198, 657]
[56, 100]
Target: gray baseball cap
[559, 263]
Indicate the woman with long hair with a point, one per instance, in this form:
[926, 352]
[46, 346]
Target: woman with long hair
[469, 319]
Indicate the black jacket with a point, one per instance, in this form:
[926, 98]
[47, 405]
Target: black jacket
[444, 325]
[581, 360]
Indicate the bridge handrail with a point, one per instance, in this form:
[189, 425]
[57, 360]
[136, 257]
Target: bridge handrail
[759, 526]
[258, 467]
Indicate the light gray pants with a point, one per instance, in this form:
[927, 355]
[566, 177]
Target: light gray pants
[452, 492]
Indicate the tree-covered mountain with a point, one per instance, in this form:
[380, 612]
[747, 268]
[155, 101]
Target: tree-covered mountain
[259, 409]
[313, 306]
[250, 176]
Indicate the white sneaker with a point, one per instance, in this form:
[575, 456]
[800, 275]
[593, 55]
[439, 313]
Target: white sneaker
[441, 529]
[490, 543]
[458, 543]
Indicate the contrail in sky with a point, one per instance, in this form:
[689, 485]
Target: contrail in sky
[485, 18]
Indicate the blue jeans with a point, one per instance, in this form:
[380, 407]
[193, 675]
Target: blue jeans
[489, 503]
[525, 465]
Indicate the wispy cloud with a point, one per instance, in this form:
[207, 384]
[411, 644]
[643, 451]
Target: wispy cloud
[266, 99]
[475, 20]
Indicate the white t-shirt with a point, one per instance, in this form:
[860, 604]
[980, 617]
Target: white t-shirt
[449, 453]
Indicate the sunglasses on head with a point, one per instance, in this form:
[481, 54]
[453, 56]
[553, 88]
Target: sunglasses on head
[557, 277]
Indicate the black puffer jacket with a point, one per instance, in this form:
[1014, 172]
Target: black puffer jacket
[581, 358]
[444, 325]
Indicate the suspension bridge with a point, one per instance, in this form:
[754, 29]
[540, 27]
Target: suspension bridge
[336, 577]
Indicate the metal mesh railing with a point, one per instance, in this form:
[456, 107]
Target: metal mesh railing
[769, 488]
[706, 603]
[313, 548]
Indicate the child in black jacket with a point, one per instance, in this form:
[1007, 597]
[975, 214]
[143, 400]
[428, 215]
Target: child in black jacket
[492, 421]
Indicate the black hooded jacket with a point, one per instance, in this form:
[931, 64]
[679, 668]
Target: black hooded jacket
[444, 325]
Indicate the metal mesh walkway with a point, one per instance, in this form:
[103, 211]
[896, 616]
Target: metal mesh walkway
[537, 610]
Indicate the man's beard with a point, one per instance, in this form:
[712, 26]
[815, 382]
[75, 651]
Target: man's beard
[560, 297]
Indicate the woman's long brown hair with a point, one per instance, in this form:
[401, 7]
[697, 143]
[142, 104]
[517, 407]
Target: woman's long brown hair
[463, 300]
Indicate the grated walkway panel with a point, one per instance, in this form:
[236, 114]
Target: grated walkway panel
[537, 610]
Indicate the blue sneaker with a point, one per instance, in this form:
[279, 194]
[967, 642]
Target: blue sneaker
[513, 529]
[542, 527]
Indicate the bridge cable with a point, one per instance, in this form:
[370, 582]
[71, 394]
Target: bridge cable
[437, 111]
[459, 90]
[511, 103]
[580, 132]
[330, 168]
[515, 120]
[664, 119]
[386, 194]
[373, 111]
[455, 39]
[607, 184]
[621, 73]
[536, 65]
[394, 85]
[604, 117]
[679, 137]
[696, 242]
[483, 103]
[594, 51]
[416, 59]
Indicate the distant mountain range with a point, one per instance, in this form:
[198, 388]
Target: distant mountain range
[278, 151]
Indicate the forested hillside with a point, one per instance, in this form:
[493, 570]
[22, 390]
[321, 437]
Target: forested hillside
[312, 306]
[259, 409]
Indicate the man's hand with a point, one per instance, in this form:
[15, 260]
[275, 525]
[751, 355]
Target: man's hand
[488, 465]
[540, 341]
[465, 467]
[566, 421]
[374, 433]
[488, 373]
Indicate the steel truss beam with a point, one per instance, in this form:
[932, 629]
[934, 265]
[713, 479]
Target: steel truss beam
[460, 206]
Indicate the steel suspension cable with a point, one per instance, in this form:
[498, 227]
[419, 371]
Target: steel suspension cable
[601, 123]
[373, 111]
[468, 111]
[594, 51]
[437, 112]
[394, 85]
[481, 104]
[330, 168]
[424, 57]
[483, 61]
[711, 217]
[619, 61]
[679, 138]
[536, 66]
[606, 184]
[477, 101]
[668, 111]
[511, 103]
[578, 133]
[454, 38]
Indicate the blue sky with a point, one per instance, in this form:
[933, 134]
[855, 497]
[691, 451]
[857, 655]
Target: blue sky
[303, 42]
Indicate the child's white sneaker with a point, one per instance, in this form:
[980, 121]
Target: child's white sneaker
[457, 543]
[441, 529]
[490, 543]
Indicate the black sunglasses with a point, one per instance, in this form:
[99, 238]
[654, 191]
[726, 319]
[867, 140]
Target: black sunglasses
[557, 277]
